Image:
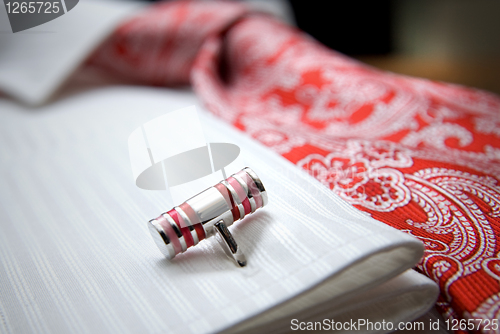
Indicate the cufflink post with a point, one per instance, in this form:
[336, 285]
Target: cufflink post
[228, 243]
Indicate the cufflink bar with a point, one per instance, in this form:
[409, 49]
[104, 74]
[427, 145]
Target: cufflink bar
[210, 213]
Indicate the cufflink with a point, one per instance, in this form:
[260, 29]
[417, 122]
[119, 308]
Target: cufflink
[210, 213]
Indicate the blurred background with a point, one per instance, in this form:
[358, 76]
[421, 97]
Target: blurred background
[449, 40]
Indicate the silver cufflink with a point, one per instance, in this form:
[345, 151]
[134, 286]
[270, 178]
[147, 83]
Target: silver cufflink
[210, 213]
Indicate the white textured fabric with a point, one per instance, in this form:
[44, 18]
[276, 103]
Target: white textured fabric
[76, 255]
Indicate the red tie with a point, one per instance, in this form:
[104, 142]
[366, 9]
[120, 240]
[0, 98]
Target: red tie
[421, 156]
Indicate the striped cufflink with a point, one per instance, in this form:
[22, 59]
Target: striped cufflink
[210, 213]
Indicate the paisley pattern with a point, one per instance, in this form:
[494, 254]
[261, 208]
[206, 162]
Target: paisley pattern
[358, 175]
[421, 156]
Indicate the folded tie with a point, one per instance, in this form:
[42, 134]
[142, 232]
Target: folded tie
[421, 156]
